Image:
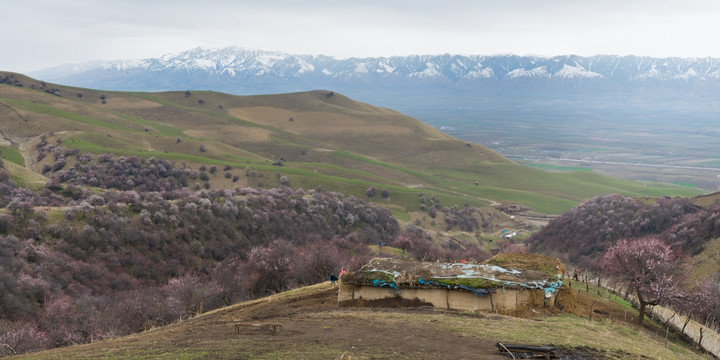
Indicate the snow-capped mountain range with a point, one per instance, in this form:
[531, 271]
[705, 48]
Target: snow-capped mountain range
[425, 86]
[234, 62]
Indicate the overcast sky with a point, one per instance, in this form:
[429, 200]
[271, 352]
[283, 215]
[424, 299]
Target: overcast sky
[36, 34]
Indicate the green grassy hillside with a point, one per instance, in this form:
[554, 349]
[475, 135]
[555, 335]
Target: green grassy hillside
[320, 138]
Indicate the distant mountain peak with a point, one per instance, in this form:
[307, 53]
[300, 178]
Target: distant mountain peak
[241, 70]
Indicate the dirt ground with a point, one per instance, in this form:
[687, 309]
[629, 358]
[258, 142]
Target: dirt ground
[316, 319]
[311, 325]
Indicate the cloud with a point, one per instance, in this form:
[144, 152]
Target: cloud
[80, 30]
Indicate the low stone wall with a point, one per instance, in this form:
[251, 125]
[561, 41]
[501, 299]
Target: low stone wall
[499, 301]
[710, 340]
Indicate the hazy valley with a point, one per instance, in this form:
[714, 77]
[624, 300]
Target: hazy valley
[641, 118]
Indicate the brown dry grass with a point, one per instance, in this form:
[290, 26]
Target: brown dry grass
[307, 323]
[706, 200]
[25, 176]
[707, 262]
[542, 263]
[125, 103]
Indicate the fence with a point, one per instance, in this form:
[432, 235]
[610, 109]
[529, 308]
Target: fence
[710, 339]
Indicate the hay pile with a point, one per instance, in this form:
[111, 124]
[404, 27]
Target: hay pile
[541, 263]
[568, 302]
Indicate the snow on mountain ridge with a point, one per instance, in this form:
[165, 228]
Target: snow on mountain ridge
[481, 73]
[575, 72]
[538, 72]
[690, 73]
[237, 61]
[430, 70]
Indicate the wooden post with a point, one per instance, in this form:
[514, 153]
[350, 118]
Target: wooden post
[492, 306]
[699, 343]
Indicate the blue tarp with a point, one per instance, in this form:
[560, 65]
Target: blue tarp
[381, 283]
[552, 287]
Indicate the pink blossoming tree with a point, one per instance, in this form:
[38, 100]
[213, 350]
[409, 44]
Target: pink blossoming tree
[648, 267]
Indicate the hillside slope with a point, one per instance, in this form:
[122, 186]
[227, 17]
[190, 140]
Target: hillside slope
[320, 138]
[306, 323]
[633, 117]
[580, 236]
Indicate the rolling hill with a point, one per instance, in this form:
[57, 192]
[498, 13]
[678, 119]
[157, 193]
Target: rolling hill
[309, 140]
[634, 117]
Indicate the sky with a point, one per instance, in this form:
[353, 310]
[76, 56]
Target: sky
[38, 34]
